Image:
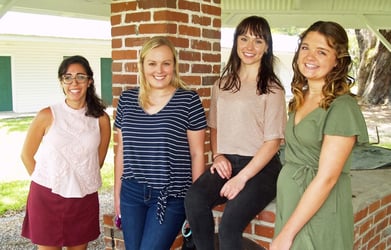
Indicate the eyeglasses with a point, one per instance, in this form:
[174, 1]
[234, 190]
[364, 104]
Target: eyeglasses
[80, 78]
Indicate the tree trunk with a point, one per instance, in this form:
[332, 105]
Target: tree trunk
[381, 77]
[366, 42]
[374, 72]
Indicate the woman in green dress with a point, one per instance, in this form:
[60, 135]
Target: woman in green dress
[314, 196]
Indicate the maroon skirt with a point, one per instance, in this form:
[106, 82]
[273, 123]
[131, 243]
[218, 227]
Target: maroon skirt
[52, 220]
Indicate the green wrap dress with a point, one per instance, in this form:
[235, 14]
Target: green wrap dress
[332, 226]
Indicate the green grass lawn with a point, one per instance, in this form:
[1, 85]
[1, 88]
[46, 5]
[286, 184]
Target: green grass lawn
[13, 194]
[385, 145]
[19, 124]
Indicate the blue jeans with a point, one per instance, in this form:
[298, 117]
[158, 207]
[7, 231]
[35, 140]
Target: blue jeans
[140, 226]
[204, 194]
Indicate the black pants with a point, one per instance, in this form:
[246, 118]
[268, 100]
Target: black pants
[203, 195]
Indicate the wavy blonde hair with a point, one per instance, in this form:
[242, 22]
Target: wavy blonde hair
[338, 82]
[145, 86]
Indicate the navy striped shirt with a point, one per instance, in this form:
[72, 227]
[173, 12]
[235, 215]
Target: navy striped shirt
[156, 148]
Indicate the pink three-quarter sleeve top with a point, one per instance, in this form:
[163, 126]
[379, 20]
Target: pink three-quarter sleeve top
[245, 120]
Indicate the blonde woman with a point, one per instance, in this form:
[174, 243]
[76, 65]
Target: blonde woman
[161, 129]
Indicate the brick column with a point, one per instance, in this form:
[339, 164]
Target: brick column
[192, 25]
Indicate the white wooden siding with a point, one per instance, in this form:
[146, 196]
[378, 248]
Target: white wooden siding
[34, 65]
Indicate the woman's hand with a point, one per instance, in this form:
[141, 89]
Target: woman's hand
[281, 243]
[222, 166]
[233, 187]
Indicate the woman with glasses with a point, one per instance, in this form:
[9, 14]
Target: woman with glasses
[64, 149]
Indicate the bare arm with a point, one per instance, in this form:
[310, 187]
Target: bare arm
[220, 163]
[105, 134]
[118, 169]
[224, 168]
[257, 163]
[213, 141]
[260, 159]
[318, 190]
[38, 128]
[196, 144]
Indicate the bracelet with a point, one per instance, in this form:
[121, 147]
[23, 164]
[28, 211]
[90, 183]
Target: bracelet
[216, 156]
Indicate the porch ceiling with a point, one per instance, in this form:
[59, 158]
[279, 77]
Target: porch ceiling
[375, 14]
[89, 9]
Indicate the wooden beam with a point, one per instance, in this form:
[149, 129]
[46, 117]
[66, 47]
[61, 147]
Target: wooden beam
[6, 7]
[379, 35]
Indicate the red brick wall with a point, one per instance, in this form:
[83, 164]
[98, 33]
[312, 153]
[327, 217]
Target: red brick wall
[372, 227]
[192, 25]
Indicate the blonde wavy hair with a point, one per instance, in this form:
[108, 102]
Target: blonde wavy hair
[145, 86]
[338, 82]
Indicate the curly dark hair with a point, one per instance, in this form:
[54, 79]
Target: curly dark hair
[95, 105]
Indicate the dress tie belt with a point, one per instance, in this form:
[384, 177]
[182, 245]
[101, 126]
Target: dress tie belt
[304, 175]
